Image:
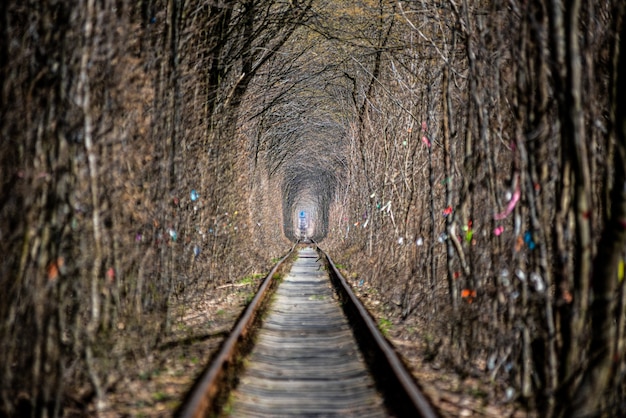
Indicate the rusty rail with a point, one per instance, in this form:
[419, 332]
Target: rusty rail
[402, 394]
[211, 389]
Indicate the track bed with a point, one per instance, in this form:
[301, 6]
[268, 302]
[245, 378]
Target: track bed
[306, 347]
[306, 361]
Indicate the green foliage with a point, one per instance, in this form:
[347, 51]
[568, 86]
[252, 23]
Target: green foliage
[251, 279]
[160, 396]
[249, 298]
[246, 280]
[384, 325]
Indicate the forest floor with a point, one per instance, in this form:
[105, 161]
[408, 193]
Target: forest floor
[453, 394]
[154, 386]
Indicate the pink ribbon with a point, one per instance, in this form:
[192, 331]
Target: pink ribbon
[510, 206]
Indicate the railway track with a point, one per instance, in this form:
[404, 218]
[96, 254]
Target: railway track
[305, 346]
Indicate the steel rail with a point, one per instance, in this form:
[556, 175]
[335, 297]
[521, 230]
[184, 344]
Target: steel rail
[401, 393]
[205, 396]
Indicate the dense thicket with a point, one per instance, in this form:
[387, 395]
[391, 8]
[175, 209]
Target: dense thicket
[485, 191]
[123, 186]
[465, 158]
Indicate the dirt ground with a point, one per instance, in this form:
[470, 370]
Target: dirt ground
[453, 395]
[154, 386]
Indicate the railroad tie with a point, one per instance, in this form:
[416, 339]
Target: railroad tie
[306, 361]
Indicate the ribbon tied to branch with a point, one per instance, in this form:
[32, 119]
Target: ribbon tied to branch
[509, 207]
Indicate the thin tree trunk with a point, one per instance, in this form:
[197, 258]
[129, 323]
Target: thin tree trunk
[573, 129]
[567, 60]
[92, 165]
[600, 369]
[448, 176]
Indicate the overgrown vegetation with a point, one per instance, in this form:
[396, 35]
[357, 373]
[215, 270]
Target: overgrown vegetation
[466, 159]
[485, 187]
[123, 188]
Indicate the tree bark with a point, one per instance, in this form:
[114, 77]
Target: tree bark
[567, 59]
[602, 355]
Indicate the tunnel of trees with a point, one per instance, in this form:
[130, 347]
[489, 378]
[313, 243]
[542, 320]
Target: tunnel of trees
[465, 159]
